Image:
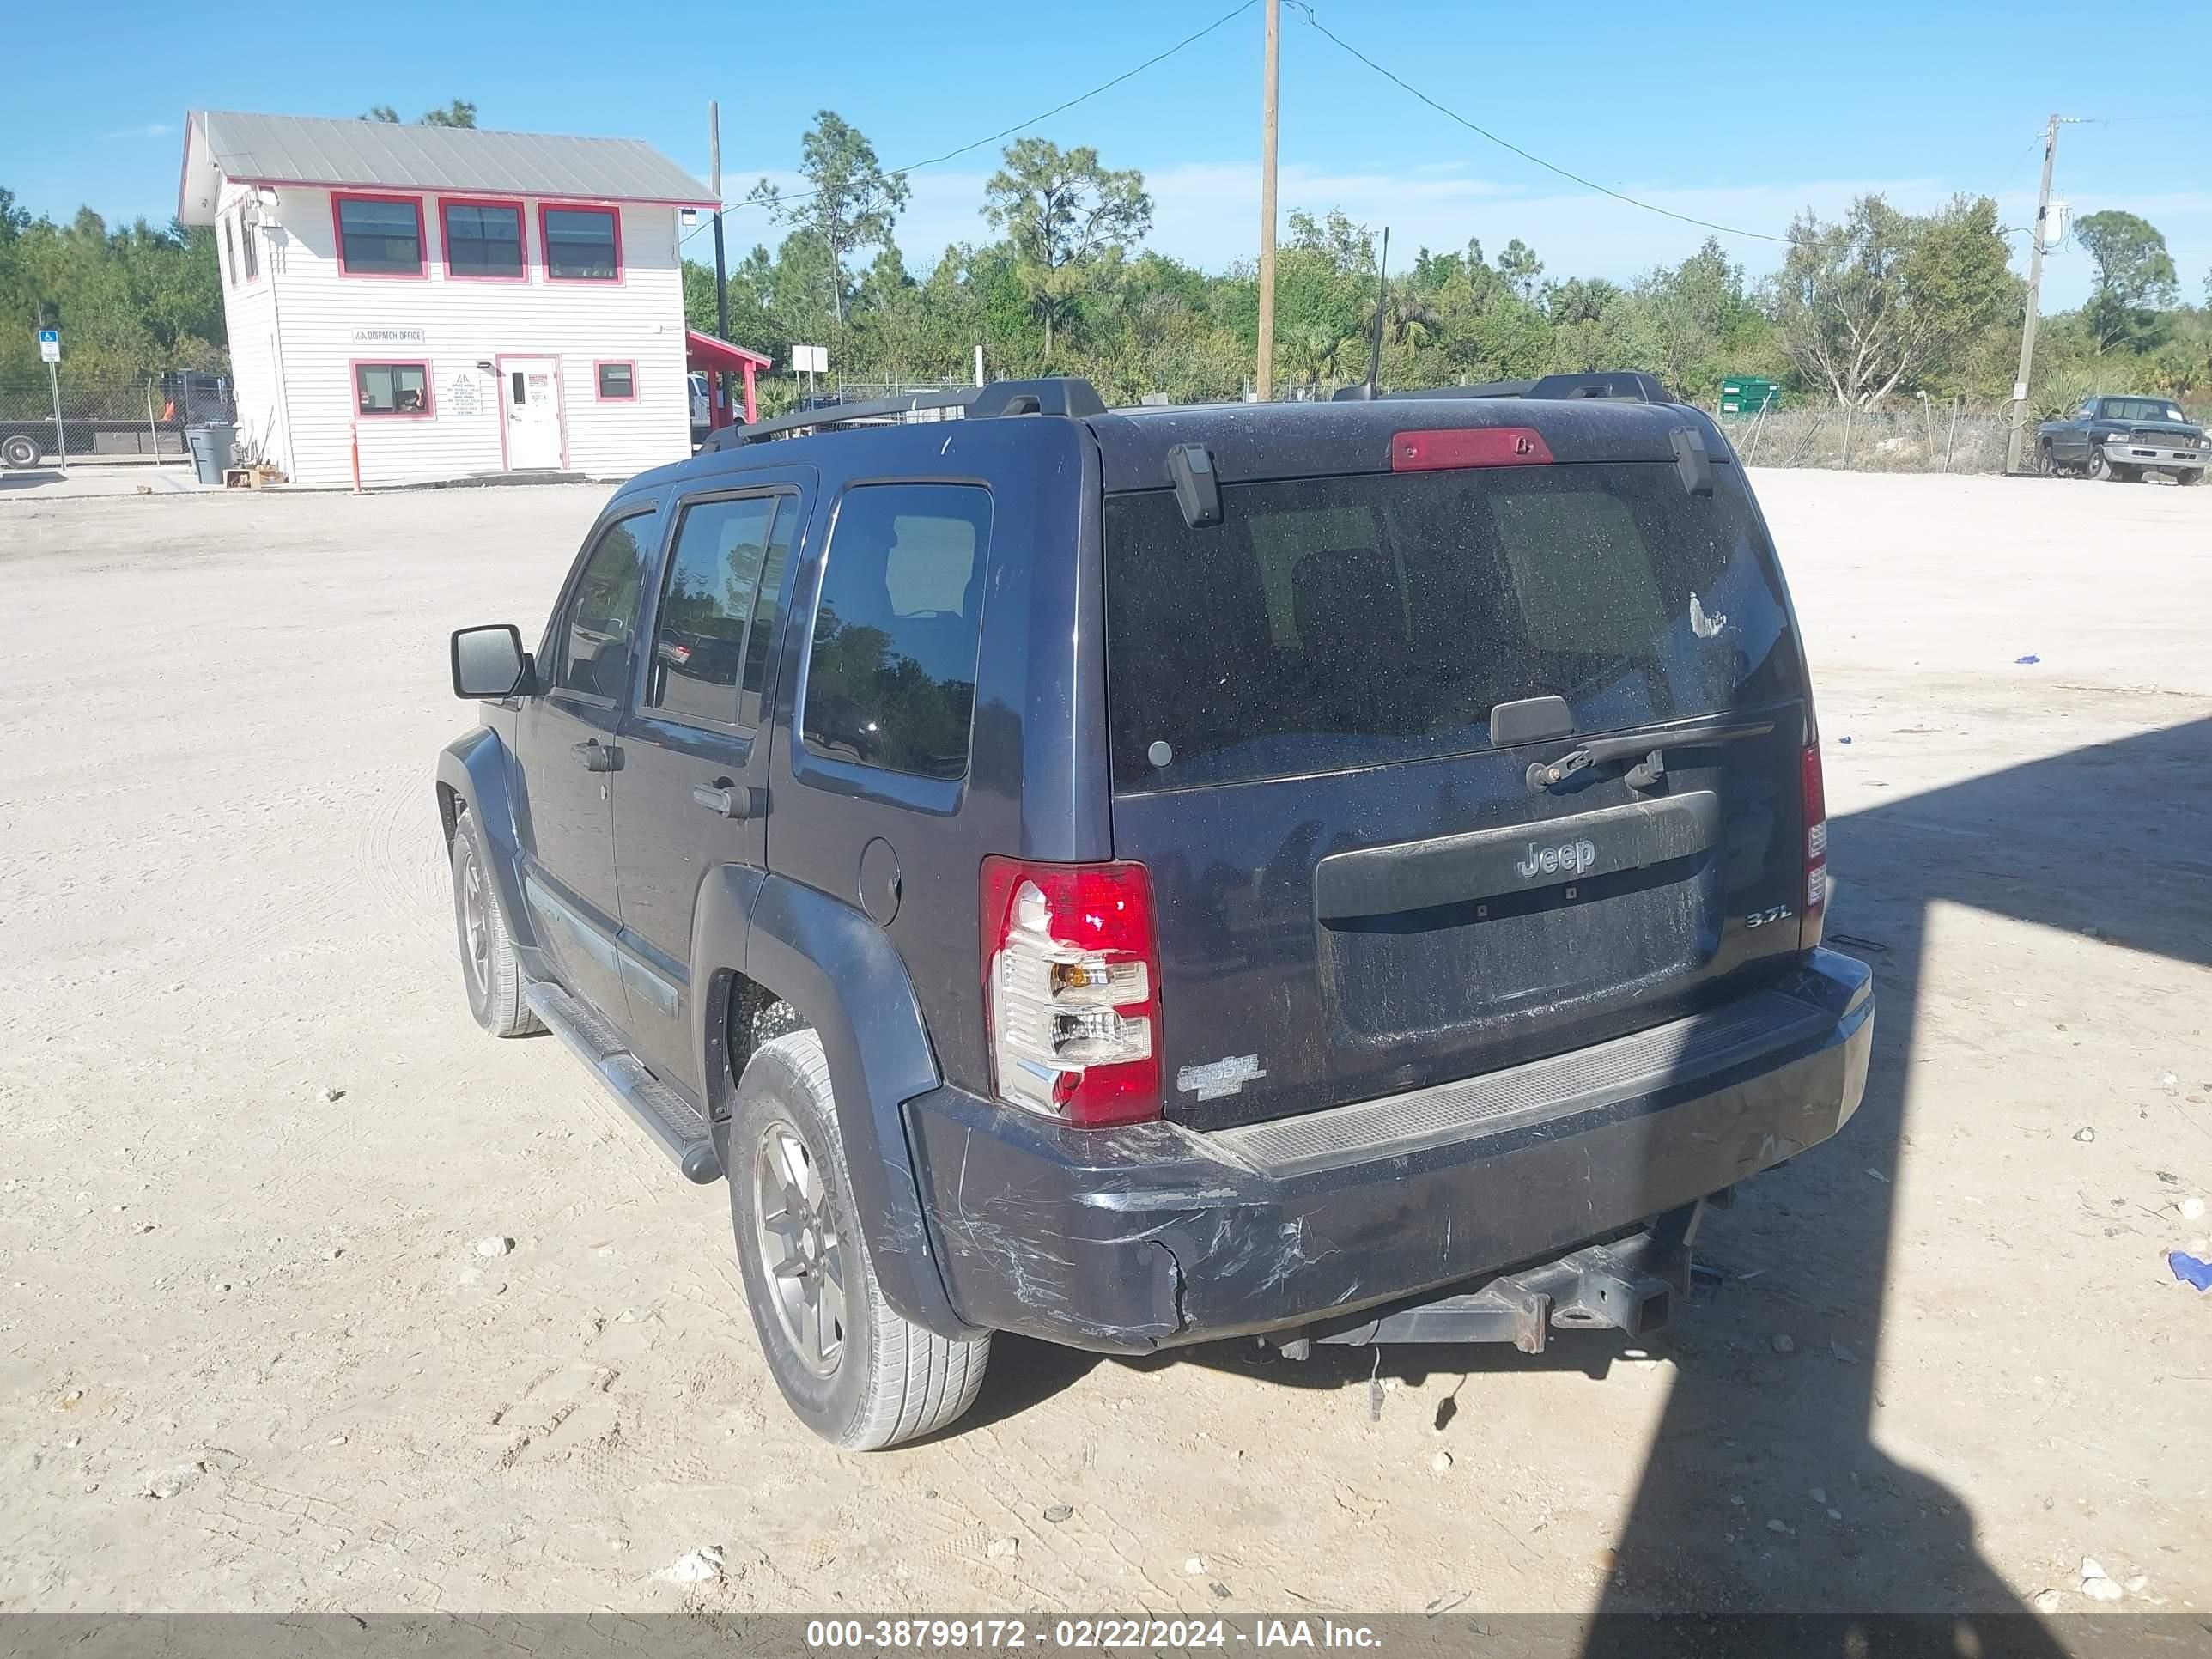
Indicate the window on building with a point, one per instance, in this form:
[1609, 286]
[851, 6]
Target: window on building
[582, 245]
[249, 239]
[891, 680]
[380, 235]
[592, 636]
[699, 635]
[392, 388]
[230, 253]
[484, 239]
[617, 382]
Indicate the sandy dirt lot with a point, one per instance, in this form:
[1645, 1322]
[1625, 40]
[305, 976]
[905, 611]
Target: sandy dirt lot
[250, 1357]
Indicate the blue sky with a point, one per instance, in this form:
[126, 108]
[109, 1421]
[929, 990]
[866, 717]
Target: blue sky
[1741, 114]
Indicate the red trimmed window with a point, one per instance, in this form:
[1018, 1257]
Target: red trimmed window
[379, 235]
[398, 390]
[249, 243]
[617, 382]
[581, 244]
[484, 240]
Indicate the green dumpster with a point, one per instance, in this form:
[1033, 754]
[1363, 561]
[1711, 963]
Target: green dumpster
[1747, 396]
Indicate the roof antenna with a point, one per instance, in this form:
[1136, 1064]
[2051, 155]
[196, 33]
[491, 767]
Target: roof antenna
[1381, 298]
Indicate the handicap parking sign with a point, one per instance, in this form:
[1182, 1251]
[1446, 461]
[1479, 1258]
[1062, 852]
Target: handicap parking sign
[50, 345]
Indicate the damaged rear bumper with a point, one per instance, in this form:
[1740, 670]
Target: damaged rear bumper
[1128, 1240]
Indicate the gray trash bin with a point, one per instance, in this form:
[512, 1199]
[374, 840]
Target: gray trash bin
[212, 446]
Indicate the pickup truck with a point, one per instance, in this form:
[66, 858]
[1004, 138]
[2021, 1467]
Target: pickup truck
[2123, 438]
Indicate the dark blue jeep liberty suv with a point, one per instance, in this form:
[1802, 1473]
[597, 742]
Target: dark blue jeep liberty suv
[1347, 871]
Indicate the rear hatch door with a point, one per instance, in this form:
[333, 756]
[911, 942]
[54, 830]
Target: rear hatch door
[1359, 888]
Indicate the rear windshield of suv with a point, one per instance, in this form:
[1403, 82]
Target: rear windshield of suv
[1329, 623]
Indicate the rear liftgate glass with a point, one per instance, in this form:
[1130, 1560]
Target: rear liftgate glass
[1330, 701]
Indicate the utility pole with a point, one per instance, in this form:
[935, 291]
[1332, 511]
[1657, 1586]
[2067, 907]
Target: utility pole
[2018, 437]
[721, 274]
[1264, 380]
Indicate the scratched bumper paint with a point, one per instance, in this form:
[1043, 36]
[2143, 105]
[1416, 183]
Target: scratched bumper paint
[1128, 1240]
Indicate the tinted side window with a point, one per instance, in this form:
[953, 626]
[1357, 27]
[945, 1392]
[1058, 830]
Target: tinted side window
[595, 629]
[891, 680]
[769, 599]
[699, 637]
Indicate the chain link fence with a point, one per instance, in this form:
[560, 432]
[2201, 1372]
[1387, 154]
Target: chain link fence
[138, 416]
[1929, 438]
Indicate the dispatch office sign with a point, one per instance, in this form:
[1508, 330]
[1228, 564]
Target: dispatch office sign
[50, 345]
[389, 336]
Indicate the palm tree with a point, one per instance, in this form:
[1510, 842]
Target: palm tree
[1314, 354]
[1410, 321]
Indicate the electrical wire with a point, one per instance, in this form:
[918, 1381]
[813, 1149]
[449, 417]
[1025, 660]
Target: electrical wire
[1007, 132]
[1507, 143]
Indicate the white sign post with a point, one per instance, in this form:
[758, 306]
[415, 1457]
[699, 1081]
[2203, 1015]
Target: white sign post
[50, 352]
[809, 361]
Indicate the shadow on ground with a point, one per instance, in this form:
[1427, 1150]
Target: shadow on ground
[2079, 841]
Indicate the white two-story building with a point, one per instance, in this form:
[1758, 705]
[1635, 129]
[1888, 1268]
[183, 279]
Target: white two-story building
[432, 303]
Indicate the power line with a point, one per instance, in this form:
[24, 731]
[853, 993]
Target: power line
[1506, 143]
[1080, 98]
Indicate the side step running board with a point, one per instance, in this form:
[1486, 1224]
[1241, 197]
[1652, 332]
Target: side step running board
[676, 1128]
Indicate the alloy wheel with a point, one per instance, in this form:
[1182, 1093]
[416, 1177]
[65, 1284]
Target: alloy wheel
[476, 923]
[801, 1257]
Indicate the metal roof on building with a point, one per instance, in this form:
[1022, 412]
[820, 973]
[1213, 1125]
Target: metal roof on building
[298, 149]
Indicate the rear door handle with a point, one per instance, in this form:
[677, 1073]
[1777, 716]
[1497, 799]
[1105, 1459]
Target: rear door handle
[732, 801]
[596, 756]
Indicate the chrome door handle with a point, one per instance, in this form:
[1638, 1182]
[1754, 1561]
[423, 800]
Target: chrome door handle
[732, 801]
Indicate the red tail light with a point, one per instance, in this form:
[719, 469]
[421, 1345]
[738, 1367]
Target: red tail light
[1471, 446]
[1815, 912]
[1071, 989]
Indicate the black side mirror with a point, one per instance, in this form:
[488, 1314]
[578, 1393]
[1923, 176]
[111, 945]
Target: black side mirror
[489, 662]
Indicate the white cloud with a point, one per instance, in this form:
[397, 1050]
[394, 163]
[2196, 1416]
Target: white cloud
[155, 130]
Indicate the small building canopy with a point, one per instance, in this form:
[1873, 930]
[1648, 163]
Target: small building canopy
[298, 149]
[708, 351]
[718, 356]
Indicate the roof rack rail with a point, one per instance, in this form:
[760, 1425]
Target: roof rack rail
[1359, 394]
[1069, 395]
[1616, 385]
[1624, 385]
[1066, 396]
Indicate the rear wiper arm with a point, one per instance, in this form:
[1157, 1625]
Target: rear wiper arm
[1652, 746]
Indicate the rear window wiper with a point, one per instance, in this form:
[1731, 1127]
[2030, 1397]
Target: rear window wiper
[1651, 745]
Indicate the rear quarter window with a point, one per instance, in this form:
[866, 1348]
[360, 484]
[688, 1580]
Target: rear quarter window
[890, 674]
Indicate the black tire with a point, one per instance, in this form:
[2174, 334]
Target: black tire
[2046, 462]
[2094, 465]
[19, 450]
[489, 966]
[888, 1381]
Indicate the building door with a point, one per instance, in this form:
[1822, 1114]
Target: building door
[532, 400]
